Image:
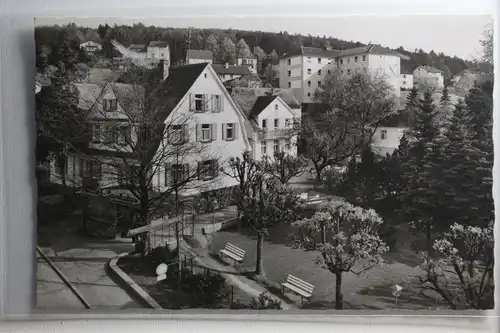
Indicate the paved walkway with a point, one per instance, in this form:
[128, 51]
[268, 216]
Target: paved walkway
[83, 260]
[51, 292]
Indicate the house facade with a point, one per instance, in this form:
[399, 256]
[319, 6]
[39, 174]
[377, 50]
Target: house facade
[467, 81]
[197, 110]
[428, 76]
[250, 61]
[199, 56]
[387, 138]
[406, 81]
[306, 70]
[91, 47]
[158, 51]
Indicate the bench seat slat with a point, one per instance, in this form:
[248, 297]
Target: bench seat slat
[297, 290]
[232, 255]
[235, 250]
[300, 283]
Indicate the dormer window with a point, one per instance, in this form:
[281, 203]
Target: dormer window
[110, 105]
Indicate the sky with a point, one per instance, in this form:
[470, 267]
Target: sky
[458, 35]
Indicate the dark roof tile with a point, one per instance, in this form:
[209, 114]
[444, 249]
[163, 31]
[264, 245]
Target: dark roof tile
[200, 54]
[158, 44]
[261, 103]
[231, 69]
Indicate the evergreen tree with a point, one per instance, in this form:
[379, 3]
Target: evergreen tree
[412, 99]
[212, 44]
[227, 53]
[242, 49]
[445, 97]
[418, 195]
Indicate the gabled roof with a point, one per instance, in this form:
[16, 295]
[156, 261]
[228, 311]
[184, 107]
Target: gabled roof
[129, 96]
[137, 47]
[247, 97]
[101, 76]
[261, 103]
[430, 69]
[231, 69]
[158, 44]
[200, 54]
[88, 93]
[307, 51]
[370, 48]
[251, 56]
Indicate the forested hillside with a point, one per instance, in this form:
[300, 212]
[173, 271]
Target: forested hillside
[225, 43]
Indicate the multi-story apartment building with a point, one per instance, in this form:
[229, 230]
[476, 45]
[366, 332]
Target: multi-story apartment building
[159, 51]
[199, 56]
[375, 60]
[306, 70]
[272, 115]
[428, 76]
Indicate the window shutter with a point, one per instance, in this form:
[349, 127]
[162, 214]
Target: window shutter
[204, 102]
[191, 102]
[221, 103]
[70, 162]
[223, 131]
[199, 170]
[213, 130]
[186, 175]
[213, 103]
[186, 132]
[167, 171]
[215, 166]
[235, 130]
[198, 132]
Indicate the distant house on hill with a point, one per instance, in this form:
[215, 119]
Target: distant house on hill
[468, 79]
[199, 56]
[406, 80]
[246, 81]
[140, 48]
[91, 47]
[228, 72]
[249, 61]
[428, 76]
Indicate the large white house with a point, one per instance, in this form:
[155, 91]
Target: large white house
[307, 69]
[428, 76]
[158, 50]
[406, 81]
[197, 108]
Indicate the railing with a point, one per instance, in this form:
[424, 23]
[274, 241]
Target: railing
[275, 134]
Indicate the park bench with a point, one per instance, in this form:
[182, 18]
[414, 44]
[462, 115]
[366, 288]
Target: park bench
[298, 286]
[233, 252]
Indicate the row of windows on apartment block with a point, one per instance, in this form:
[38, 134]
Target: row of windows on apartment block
[349, 72]
[197, 102]
[173, 173]
[176, 134]
[277, 146]
[329, 60]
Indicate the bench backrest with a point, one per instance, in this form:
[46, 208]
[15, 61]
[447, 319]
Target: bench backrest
[307, 287]
[234, 249]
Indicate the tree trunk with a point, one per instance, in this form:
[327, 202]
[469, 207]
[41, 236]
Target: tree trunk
[428, 236]
[178, 241]
[339, 298]
[323, 234]
[259, 266]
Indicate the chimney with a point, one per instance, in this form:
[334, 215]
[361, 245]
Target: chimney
[227, 65]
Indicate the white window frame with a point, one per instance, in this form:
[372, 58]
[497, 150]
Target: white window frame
[319, 71]
[364, 58]
[341, 61]
[289, 62]
[264, 123]
[309, 71]
[276, 106]
[206, 130]
[263, 147]
[288, 122]
[276, 123]
[289, 73]
[356, 59]
[230, 129]
[308, 83]
[308, 59]
[383, 134]
[198, 97]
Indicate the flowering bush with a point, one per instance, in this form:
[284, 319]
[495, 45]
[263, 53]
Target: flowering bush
[462, 274]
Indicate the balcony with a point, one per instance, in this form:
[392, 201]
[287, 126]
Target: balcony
[275, 134]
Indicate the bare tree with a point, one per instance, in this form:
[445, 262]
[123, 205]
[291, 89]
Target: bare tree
[284, 166]
[353, 107]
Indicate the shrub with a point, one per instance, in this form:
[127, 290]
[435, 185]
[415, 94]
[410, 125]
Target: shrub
[207, 290]
[263, 302]
[387, 234]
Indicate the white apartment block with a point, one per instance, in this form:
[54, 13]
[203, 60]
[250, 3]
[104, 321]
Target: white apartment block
[406, 81]
[307, 70]
[375, 60]
[428, 76]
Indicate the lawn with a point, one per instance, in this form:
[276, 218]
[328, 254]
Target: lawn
[370, 290]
